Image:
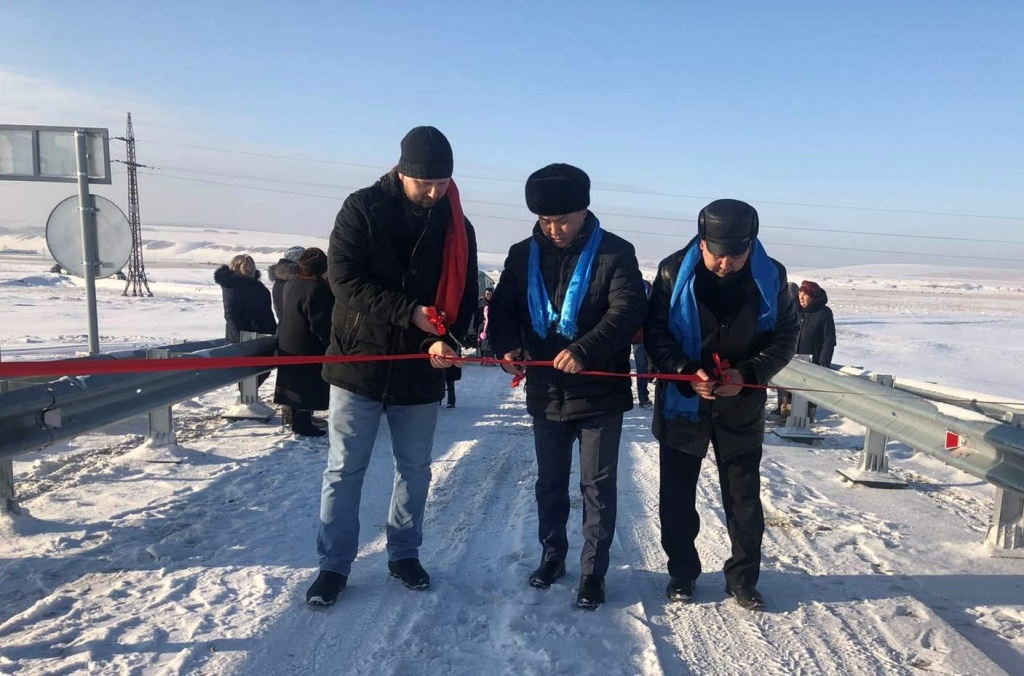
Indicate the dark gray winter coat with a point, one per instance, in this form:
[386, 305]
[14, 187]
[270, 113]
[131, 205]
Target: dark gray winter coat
[305, 329]
[738, 421]
[384, 260]
[611, 312]
[817, 330]
[247, 304]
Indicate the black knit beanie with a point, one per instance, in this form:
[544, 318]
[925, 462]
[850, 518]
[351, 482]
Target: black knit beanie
[426, 154]
[557, 189]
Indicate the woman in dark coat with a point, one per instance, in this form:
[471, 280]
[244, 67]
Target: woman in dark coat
[817, 325]
[305, 330]
[247, 304]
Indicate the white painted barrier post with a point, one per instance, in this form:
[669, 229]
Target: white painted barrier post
[873, 470]
[798, 422]
[1006, 533]
[161, 420]
[249, 406]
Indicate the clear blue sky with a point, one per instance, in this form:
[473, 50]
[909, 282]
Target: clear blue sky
[912, 106]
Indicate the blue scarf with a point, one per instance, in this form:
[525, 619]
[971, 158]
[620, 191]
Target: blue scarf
[542, 313]
[684, 318]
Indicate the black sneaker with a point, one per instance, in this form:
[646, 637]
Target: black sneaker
[325, 588]
[311, 431]
[748, 597]
[680, 589]
[547, 572]
[646, 404]
[590, 595]
[410, 572]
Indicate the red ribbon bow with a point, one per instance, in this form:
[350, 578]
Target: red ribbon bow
[438, 319]
[721, 366]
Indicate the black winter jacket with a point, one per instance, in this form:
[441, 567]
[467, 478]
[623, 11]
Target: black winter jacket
[611, 312]
[817, 331]
[246, 303]
[383, 261]
[738, 421]
[305, 329]
[280, 273]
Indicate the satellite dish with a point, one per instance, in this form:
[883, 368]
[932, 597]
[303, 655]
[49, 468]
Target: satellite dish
[113, 236]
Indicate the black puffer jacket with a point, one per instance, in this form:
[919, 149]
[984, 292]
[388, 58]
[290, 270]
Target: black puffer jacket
[280, 273]
[611, 312]
[817, 330]
[738, 422]
[305, 329]
[383, 261]
[246, 303]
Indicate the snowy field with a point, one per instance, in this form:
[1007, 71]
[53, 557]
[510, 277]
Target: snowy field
[118, 566]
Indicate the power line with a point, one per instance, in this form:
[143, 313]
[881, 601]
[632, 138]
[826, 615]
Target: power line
[919, 212]
[514, 206]
[958, 256]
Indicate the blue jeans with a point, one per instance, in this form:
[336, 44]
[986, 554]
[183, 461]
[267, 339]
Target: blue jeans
[354, 421]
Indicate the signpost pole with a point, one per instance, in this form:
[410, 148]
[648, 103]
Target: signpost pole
[90, 257]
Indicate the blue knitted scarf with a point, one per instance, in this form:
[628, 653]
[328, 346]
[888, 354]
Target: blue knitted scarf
[542, 313]
[684, 318]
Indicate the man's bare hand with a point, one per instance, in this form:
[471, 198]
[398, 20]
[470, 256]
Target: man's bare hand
[442, 355]
[706, 387]
[566, 361]
[733, 386]
[421, 319]
[510, 366]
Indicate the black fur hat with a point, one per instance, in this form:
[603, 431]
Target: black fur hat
[557, 189]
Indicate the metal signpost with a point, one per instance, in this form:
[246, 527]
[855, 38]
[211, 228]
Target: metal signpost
[63, 155]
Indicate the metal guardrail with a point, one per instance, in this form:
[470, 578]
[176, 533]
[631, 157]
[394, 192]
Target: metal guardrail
[986, 449]
[966, 399]
[34, 417]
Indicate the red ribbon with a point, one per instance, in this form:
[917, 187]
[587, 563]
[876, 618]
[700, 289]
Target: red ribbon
[438, 319]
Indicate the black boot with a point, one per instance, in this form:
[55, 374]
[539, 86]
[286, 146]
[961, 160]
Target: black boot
[547, 572]
[325, 589]
[591, 592]
[748, 597]
[410, 572]
[680, 589]
[302, 424]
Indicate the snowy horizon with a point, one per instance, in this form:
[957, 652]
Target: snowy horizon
[120, 565]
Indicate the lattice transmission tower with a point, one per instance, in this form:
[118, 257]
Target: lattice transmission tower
[136, 277]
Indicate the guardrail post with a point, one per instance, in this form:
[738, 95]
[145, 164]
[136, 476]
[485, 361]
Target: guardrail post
[798, 422]
[7, 495]
[249, 406]
[1007, 529]
[161, 420]
[873, 470]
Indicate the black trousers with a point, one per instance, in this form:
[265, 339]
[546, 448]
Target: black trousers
[599, 458]
[740, 481]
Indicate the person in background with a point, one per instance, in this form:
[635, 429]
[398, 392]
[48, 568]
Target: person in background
[451, 375]
[572, 294]
[247, 303]
[482, 323]
[305, 329]
[643, 396]
[720, 310]
[402, 257]
[282, 272]
[817, 332]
